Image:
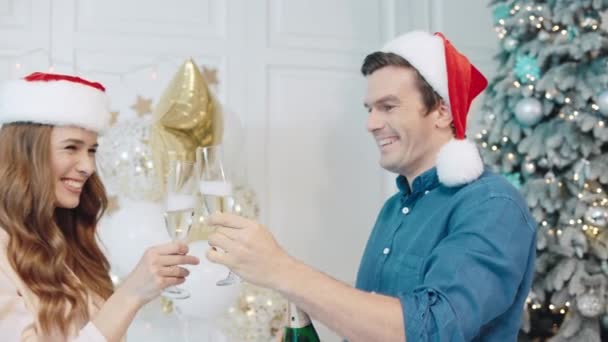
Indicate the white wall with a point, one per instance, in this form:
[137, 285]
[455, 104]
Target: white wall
[288, 69]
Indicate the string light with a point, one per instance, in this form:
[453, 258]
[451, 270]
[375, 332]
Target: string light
[555, 28]
[601, 123]
[567, 100]
[595, 107]
[517, 84]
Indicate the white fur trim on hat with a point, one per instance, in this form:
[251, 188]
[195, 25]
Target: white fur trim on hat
[60, 103]
[425, 52]
[458, 163]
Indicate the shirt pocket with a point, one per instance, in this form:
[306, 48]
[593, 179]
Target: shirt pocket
[407, 272]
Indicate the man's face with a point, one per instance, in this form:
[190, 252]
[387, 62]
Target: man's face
[397, 120]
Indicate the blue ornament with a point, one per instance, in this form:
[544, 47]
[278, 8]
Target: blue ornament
[501, 12]
[526, 67]
[514, 178]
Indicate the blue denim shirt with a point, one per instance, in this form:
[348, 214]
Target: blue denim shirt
[460, 259]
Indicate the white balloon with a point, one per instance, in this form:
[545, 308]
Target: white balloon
[128, 232]
[207, 300]
[152, 325]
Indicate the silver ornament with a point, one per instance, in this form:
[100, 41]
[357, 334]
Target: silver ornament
[602, 102]
[125, 161]
[510, 44]
[590, 304]
[597, 216]
[529, 111]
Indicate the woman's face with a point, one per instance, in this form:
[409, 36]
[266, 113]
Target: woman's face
[73, 161]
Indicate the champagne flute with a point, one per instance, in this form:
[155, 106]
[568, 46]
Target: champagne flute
[215, 188]
[180, 204]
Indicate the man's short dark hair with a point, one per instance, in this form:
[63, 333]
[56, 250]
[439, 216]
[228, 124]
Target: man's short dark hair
[379, 60]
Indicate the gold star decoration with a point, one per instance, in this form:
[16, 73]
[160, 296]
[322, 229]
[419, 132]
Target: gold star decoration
[142, 106]
[112, 204]
[113, 117]
[210, 75]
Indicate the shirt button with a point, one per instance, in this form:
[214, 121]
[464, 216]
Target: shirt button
[405, 210]
[386, 251]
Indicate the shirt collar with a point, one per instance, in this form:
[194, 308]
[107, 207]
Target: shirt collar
[428, 180]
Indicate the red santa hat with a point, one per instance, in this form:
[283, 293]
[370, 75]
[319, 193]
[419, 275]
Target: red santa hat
[53, 99]
[458, 82]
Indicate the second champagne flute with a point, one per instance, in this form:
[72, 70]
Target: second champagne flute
[216, 188]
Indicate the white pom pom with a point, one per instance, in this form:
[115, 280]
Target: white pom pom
[459, 163]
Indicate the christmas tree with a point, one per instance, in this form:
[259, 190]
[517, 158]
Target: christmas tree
[544, 121]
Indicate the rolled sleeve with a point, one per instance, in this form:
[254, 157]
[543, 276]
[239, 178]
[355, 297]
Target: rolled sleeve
[473, 274]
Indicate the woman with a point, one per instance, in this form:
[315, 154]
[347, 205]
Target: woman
[54, 281]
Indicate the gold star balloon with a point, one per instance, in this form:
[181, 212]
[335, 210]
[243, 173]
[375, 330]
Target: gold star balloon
[187, 116]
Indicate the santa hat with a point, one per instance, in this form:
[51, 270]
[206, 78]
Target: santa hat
[53, 99]
[458, 82]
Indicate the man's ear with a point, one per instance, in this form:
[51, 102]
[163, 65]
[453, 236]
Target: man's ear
[443, 118]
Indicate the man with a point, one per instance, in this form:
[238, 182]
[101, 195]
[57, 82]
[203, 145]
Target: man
[451, 256]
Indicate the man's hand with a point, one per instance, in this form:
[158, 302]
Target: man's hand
[248, 249]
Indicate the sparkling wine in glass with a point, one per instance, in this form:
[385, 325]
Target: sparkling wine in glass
[216, 188]
[179, 213]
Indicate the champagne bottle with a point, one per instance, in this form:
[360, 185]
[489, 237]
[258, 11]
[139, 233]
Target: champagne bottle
[299, 328]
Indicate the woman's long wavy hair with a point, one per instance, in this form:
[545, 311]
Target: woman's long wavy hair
[53, 250]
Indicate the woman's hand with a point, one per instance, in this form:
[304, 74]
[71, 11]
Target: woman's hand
[157, 269]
